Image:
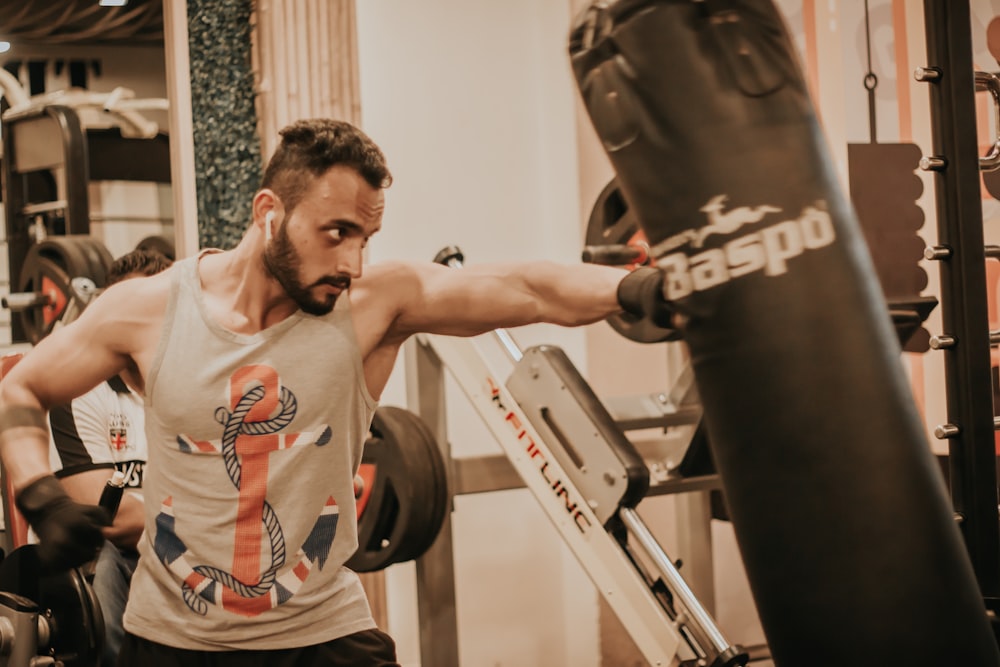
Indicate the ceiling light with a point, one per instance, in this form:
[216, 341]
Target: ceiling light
[113, 3]
[4, 46]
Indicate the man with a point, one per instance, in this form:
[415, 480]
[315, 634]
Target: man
[98, 433]
[261, 368]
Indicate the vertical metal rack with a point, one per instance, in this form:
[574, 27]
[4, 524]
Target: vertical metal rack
[38, 143]
[965, 339]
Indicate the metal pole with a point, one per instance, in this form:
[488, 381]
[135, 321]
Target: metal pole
[950, 78]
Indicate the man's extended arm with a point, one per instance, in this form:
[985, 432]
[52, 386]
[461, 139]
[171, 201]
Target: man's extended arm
[478, 298]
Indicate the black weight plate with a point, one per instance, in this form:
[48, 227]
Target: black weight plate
[99, 259]
[432, 495]
[422, 507]
[420, 531]
[68, 252]
[411, 508]
[78, 626]
[611, 223]
[408, 499]
[50, 267]
[74, 615]
[383, 523]
[42, 274]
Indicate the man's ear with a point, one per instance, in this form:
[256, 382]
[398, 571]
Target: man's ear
[267, 208]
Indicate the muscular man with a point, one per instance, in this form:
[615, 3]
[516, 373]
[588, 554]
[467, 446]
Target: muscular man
[99, 432]
[261, 368]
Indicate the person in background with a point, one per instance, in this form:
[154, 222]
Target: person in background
[91, 437]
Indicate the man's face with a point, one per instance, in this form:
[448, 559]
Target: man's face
[317, 249]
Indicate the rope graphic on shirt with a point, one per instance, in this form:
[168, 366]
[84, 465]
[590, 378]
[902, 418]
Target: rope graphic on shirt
[234, 426]
[244, 427]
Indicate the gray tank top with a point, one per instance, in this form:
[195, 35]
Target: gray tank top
[250, 512]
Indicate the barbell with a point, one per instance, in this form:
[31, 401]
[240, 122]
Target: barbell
[59, 277]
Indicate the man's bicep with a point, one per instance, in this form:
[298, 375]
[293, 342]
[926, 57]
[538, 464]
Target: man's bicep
[66, 363]
[467, 301]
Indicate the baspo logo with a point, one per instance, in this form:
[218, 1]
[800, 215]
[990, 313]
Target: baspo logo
[768, 249]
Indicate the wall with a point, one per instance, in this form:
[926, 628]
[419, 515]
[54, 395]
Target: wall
[473, 106]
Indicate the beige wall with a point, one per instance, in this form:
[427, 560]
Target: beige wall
[473, 106]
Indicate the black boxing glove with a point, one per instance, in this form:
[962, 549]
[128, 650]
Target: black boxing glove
[640, 293]
[69, 533]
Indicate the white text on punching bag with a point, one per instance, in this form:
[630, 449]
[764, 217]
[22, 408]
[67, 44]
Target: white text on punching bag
[767, 250]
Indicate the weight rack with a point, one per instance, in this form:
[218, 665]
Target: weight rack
[51, 156]
[965, 340]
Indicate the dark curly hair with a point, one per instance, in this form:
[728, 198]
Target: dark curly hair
[143, 262]
[311, 147]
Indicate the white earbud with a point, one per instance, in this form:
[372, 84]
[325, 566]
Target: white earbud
[268, 219]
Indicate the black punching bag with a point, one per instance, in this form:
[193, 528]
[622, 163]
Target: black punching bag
[840, 512]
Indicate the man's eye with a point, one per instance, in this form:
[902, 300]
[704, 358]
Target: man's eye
[337, 234]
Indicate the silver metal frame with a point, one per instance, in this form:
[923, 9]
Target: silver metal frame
[615, 573]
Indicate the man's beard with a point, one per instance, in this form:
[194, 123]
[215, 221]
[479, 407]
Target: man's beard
[283, 262]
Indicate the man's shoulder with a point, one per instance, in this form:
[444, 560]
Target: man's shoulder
[390, 270]
[135, 300]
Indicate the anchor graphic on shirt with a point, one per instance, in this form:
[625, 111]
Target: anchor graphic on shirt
[250, 435]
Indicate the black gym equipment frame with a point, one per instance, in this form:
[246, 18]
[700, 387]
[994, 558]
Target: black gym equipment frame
[962, 254]
[29, 189]
[49, 159]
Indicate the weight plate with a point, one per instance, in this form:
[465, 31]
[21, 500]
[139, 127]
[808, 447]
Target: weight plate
[49, 267]
[404, 494]
[99, 259]
[611, 223]
[42, 274]
[66, 599]
[433, 492]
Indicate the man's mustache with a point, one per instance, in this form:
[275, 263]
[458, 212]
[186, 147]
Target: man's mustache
[341, 282]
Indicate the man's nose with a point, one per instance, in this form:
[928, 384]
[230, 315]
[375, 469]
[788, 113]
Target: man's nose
[352, 259]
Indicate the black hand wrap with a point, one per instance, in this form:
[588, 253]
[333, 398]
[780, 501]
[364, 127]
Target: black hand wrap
[640, 293]
[69, 533]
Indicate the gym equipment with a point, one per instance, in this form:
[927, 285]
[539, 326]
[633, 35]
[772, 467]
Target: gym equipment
[588, 478]
[45, 619]
[55, 145]
[965, 340]
[613, 235]
[615, 238]
[52, 619]
[402, 489]
[58, 279]
[724, 165]
[884, 190]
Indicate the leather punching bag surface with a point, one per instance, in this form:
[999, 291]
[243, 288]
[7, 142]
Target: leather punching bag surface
[840, 512]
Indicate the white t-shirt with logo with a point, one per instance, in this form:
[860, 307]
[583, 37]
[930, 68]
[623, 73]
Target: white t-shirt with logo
[104, 428]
